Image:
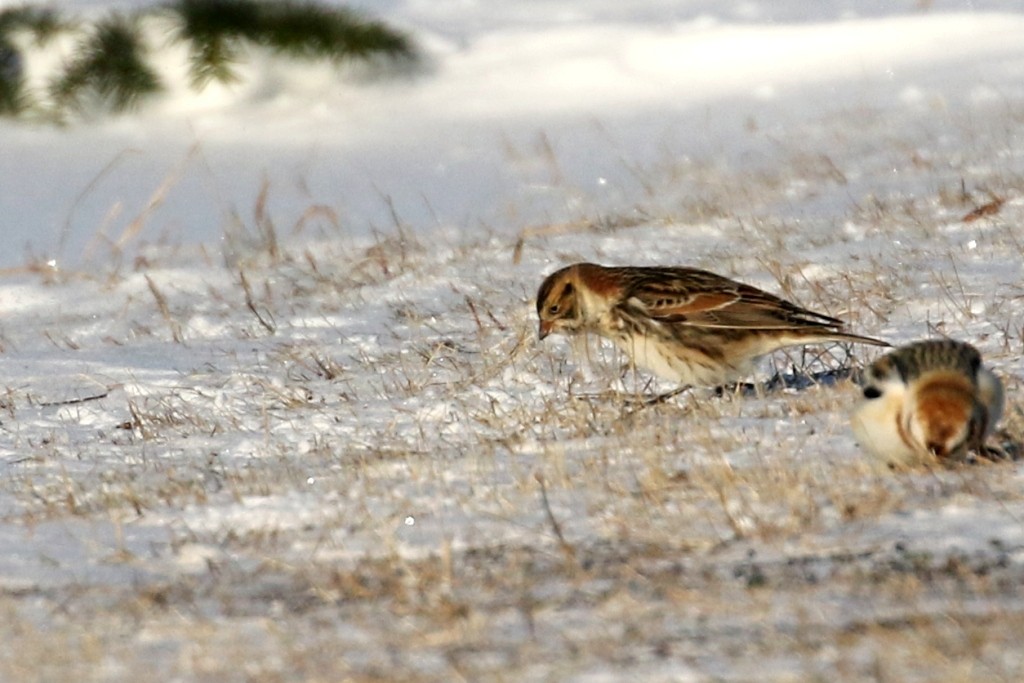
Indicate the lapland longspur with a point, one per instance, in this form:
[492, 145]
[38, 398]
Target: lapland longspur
[927, 400]
[683, 324]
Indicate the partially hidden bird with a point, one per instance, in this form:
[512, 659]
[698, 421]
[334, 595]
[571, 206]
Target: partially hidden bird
[929, 401]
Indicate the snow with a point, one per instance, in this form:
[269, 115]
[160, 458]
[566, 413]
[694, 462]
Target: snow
[273, 405]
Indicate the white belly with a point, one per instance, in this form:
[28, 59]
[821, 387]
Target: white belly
[875, 426]
[682, 365]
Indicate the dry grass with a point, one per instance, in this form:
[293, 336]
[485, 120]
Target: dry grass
[491, 613]
[352, 461]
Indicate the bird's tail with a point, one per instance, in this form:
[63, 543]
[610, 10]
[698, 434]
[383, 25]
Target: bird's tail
[856, 339]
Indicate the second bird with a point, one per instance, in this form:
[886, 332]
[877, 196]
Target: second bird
[928, 400]
[683, 324]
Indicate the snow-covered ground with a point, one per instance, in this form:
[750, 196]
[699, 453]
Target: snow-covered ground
[273, 406]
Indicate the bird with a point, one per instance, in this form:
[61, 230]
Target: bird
[928, 401]
[682, 324]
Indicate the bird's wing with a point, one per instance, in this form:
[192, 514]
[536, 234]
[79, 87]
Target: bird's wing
[704, 299]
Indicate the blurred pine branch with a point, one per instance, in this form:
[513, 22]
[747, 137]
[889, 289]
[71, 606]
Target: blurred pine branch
[214, 30]
[110, 65]
[42, 24]
[13, 99]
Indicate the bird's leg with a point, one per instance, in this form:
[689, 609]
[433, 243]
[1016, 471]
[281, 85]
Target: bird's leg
[1008, 448]
[634, 402]
[661, 398]
[739, 389]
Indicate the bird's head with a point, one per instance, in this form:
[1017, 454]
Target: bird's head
[559, 303]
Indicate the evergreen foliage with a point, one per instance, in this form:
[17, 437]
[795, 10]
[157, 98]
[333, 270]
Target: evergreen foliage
[110, 65]
[12, 79]
[42, 24]
[215, 30]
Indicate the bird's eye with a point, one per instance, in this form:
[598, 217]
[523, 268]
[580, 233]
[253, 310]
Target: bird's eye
[553, 310]
[871, 392]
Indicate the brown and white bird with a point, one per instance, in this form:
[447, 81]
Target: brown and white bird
[925, 401]
[683, 324]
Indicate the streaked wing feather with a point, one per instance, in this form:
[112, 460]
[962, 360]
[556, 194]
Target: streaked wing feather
[704, 299]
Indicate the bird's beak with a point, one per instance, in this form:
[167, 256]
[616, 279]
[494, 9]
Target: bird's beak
[545, 328]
